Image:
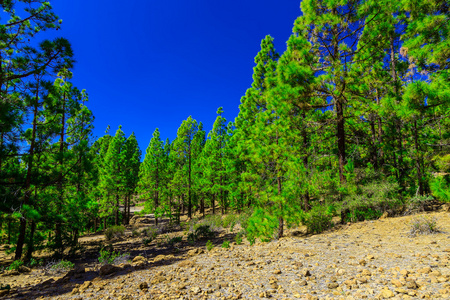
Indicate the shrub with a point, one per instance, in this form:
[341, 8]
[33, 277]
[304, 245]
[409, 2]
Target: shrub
[229, 221]
[209, 245]
[204, 231]
[318, 219]
[238, 238]
[361, 215]
[60, 266]
[15, 265]
[417, 204]
[174, 240]
[226, 244]
[423, 225]
[135, 232]
[115, 232]
[112, 258]
[147, 241]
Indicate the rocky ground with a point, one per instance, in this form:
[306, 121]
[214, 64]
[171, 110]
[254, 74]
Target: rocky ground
[368, 260]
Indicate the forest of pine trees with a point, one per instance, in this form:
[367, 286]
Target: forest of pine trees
[353, 118]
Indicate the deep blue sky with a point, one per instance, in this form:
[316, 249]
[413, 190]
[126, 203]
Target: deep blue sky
[148, 64]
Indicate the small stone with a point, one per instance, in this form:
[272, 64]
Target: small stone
[138, 258]
[386, 293]
[306, 273]
[425, 270]
[143, 286]
[195, 290]
[276, 272]
[302, 283]
[411, 285]
[333, 285]
[397, 283]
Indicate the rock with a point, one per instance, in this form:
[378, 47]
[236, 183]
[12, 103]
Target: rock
[424, 270]
[186, 263]
[84, 286]
[136, 220]
[108, 269]
[194, 252]
[386, 293]
[446, 207]
[302, 283]
[306, 273]
[143, 286]
[276, 272]
[366, 272]
[397, 283]
[384, 215]
[24, 269]
[139, 258]
[333, 285]
[411, 285]
[195, 290]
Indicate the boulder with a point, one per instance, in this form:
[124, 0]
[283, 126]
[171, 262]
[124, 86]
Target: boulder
[108, 269]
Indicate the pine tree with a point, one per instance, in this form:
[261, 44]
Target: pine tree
[183, 146]
[151, 174]
[113, 176]
[132, 156]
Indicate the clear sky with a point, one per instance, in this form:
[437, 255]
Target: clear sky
[148, 64]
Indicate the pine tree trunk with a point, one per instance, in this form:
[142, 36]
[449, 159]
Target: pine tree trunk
[418, 160]
[341, 138]
[116, 221]
[30, 247]
[280, 218]
[398, 125]
[189, 190]
[21, 238]
[22, 230]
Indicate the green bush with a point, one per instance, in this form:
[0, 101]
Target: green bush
[318, 219]
[61, 266]
[112, 258]
[226, 244]
[361, 215]
[115, 232]
[15, 265]
[229, 221]
[238, 238]
[174, 240]
[209, 245]
[423, 225]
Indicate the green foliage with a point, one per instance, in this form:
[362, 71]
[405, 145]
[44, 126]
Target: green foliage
[62, 266]
[361, 215]
[229, 221]
[202, 231]
[115, 232]
[318, 219]
[238, 238]
[111, 257]
[174, 240]
[370, 200]
[226, 244]
[15, 265]
[209, 245]
[423, 225]
[261, 225]
[440, 187]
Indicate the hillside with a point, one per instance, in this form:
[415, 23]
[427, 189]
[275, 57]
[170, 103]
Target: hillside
[371, 259]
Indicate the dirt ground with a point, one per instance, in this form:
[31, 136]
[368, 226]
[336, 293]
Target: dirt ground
[372, 259]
